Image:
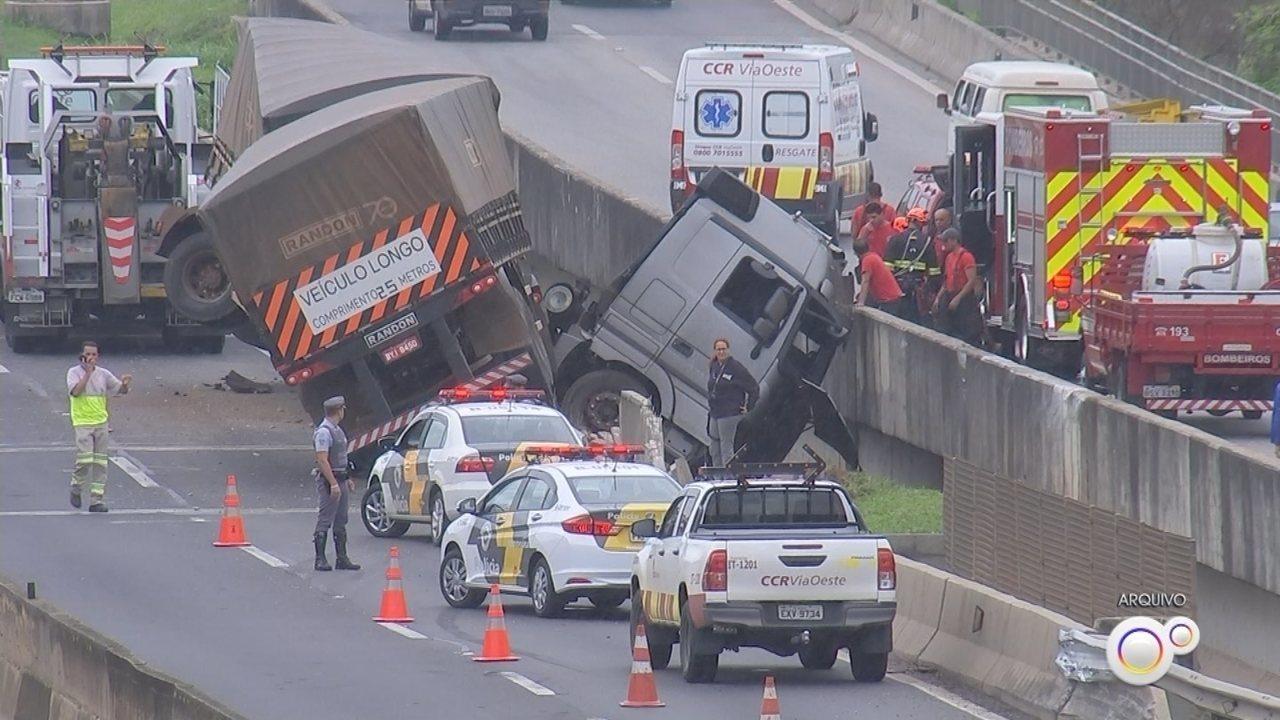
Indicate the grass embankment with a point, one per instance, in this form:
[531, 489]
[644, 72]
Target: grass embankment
[888, 507]
[187, 28]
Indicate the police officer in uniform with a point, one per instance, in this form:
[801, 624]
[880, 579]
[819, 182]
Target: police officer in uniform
[332, 485]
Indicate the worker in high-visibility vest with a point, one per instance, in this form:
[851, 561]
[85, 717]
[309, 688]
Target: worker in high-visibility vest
[88, 387]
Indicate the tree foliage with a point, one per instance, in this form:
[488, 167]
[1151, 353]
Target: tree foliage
[1260, 51]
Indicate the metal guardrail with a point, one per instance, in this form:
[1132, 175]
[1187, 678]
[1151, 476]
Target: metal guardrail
[1112, 46]
[1082, 658]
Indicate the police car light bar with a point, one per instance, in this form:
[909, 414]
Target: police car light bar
[579, 452]
[492, 394]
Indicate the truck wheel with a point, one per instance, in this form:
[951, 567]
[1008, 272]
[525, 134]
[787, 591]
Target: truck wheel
[593, 402]
[373, 511]
[197, 286]
[696, 668]
[20, 344]
[453, 582]
[443, 28]
[547, 603]
[832, 224]
[869, 667]
[819, 655]
[659, 650]
[539, 27]
[417, 20]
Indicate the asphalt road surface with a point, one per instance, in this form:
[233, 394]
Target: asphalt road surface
[265, 634]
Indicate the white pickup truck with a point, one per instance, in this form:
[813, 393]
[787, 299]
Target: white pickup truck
[764, 556]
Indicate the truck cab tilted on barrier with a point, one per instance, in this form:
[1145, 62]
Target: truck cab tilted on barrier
[729, 264]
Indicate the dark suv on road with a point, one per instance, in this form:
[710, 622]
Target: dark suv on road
[449, 14]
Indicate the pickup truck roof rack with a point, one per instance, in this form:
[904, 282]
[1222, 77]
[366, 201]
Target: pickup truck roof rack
[743, 472]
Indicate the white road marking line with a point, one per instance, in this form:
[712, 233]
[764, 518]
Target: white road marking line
[182, 512]
[655, 75]
[588, 32]
[159, 448]
[949, 698]
[265, 556]
[527, 684]
[134, 471]
[863, 49]
[937, 693]
[402, 630]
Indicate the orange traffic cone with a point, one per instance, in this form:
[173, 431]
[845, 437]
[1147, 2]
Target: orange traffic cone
[393, 609]
[231, 530]
[497, 645]
[769, 709]
[642, 691]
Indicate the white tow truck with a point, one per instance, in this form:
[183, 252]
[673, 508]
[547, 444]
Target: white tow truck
[764, 555]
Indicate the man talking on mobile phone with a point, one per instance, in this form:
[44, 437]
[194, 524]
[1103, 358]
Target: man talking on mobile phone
[88, 385]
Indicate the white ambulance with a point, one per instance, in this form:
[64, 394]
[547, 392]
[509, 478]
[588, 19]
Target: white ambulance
[788, 119]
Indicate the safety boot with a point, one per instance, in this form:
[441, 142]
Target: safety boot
[322, 563]
[342, 562]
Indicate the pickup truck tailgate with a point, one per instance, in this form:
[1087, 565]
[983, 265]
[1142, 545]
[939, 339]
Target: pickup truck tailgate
[810, 569]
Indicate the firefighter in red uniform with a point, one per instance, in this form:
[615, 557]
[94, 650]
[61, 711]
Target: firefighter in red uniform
[956, 309]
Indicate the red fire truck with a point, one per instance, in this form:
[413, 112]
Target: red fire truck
[1097, 240]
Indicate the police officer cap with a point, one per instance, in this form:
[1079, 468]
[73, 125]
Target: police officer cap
[335, 402]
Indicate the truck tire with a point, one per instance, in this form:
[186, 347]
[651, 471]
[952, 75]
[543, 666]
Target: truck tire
[831, 225]
[417, 21]
[593, 401]
[659, 646]
[696, 668]
[539, 27]
[869, 667]
[820, 655]
[18, 343]
[197, 286]
[442, 27]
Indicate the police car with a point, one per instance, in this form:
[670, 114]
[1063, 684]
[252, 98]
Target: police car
[556, 530]
[452, 450]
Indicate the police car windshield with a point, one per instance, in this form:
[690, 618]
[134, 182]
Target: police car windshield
[781, 507]
[623, 489]
[510, 429]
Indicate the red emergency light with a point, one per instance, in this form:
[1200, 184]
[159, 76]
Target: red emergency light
[564, 453]
[500, 394]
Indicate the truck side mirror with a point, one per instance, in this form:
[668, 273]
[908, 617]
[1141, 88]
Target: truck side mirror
[870, 127]
[646, 528]
[467, 507]
[764, 329]
[944, 104]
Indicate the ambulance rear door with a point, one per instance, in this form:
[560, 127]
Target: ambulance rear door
[717, 101]
[784, 153]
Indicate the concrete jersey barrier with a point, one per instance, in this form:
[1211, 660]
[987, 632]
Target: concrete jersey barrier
[1002, 645]
[53, 667]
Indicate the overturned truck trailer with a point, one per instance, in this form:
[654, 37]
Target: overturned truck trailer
[373, 246]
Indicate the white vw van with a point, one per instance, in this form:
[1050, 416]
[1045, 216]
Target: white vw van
[786, 119]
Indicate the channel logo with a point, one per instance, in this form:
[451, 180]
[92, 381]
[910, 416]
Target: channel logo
[1140, 650]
